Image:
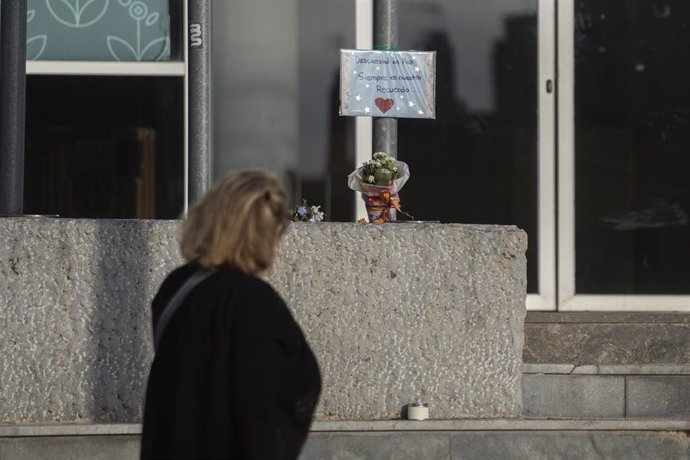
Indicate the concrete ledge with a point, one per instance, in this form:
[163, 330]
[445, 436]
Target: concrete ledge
[505, 425]
[67, 429]
[394, 312]
[462, 445]
[117, 429]
[607, 317]
[626, 369]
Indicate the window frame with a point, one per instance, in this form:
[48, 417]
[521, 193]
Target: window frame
[173, 68]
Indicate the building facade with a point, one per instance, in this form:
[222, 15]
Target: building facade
[566, 118]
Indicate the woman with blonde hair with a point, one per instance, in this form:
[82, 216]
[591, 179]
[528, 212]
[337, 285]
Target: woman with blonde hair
[233, 376]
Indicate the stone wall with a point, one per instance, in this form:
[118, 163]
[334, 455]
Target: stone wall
[633, 365]
[394, 312]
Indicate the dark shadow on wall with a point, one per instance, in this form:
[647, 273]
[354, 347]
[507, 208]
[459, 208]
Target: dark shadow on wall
[121, 328]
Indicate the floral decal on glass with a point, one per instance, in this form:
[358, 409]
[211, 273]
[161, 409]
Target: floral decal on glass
[36, 45]
[98, 30]
[77, 13]
[155, 50]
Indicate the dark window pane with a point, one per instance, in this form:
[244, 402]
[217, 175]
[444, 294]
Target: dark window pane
[104, 147]
[632, 139]
[477, 162]
[276, 96]
[326, 140]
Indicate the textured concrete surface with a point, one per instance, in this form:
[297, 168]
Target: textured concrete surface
[606, 395]
[75, 337]
[569, 445]
[402, 311]
[573, 396]
[383, 446]
[480, 445]
[606, 343]
[70, 448]
[658, 396]
[394, 312]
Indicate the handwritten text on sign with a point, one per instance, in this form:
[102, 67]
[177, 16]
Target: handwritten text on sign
[396, 84]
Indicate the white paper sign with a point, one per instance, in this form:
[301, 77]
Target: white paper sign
[395, 84]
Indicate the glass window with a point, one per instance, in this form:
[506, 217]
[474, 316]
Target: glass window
[104, 147]
[477, 162]
[632, 141]
[102, 30]
[276, 96]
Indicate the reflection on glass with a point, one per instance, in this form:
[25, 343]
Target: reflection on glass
[326, 140]
[632, 146]
[104, 147]
[477, 162]
[276, 101]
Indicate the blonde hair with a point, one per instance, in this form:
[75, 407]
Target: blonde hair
[237, 223]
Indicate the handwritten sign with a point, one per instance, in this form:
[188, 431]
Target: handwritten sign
[395, 84]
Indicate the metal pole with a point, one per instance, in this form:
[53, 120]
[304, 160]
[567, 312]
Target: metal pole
[386, 39]
[200, 134]
[12, 105]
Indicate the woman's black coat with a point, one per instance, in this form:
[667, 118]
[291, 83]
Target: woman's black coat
[233, 376]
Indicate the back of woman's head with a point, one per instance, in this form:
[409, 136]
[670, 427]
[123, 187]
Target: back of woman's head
[237, 223]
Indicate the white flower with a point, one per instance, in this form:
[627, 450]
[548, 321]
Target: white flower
[370, 179]
[380, 156]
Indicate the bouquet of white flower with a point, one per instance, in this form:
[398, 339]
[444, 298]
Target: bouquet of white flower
[306, 213]
[379, 180]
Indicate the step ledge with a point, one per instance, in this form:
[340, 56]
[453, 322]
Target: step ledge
[115, 429]
[623, 369]
[505, 425]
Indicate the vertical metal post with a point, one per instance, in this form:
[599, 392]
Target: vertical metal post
[199, 116]
[386, 39]
[12, 105]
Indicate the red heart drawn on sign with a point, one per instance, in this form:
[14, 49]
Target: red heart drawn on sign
[384, 105]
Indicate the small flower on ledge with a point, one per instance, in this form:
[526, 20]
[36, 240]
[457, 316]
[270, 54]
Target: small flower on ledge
[306, 213]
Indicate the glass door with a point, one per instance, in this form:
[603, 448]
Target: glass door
[488, 157]
[624, 169]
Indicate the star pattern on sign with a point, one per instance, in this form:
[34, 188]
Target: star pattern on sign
[367, 85]
[420, 112]
[398, 109]
[367, 109]
[354, 72]
[402, 97]
[417, 68]
[411, 103]
[358, 97]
